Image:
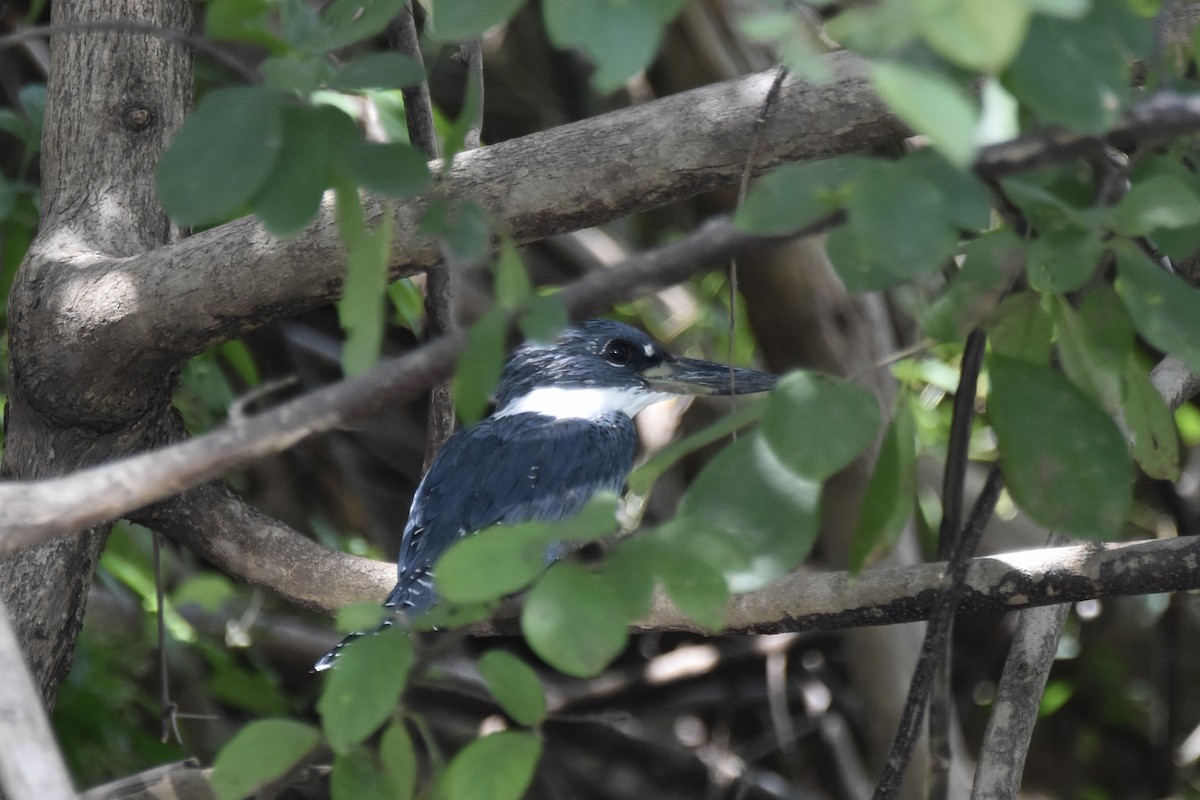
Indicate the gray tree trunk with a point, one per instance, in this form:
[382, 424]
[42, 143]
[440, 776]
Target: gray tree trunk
[114, 100]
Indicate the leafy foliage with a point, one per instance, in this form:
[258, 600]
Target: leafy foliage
[1028, 259]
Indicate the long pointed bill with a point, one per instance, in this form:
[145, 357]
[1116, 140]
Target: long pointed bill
[692, 376]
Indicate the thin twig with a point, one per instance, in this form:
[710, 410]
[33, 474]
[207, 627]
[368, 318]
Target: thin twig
[201, 45]
[764, 112]
[167, 709]
[954, 477]
[472, 55]
[418, 108]
[935, 636]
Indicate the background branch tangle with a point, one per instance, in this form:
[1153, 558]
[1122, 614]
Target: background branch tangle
[189, 300]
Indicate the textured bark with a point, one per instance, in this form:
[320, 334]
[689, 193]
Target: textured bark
[223, 282]
[79, 396]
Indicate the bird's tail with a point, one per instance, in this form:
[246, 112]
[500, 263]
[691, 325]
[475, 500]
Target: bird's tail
[413, 595]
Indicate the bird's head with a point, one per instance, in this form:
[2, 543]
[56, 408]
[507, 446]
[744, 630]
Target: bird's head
[601, 366]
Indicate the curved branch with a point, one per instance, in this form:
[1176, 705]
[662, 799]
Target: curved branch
[267, 553]
[226, 281]
[33, 511]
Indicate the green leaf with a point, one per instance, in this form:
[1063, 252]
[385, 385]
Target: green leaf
[888, 503]
[491, 564]
[881, 28]
[1161, 201]
[1094, 345]
[479, 367]
[574, 621]
[629, 569]
[849, 422]
[512, 288]
[899, 228]
[397, 170]
[501, 559]
[1064, 459]
[1071, 73]
[361, 309]
[1021, 329]
[966, 198]
[241, 20]
[363, 689]
[409, 303]
[364, 616]
[1068, 9]
[292, 193]
[221, 155]
[1062, 260]
[1053, 205]
[348, 21]
[696, 587]
[299, 74]
[205, 590]
[797, 195]
[1163, 306]
[456, 20]
[378, 71]
[399, 760]
[979, 35]
[748, 515]
[260, 752]
[356, 776]
[515, 686]
[1151, 425]
[1178, 244]
[931, 104]
[618, 36]
[497, 767]
[988, 264]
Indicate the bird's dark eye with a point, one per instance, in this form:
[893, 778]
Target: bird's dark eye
[618, 351]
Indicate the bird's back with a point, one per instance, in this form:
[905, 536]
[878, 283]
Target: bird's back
[508, 469]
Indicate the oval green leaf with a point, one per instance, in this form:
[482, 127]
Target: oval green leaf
[818, 424]
[260, 752]
[292, 193]
[399, 760]
[1163, 306]
[1064, 459]
[574, 621]
[356, 776]
[496, 767]
[515, 686]
[363, 689]
[221, 155]
[888, 502]
[748, 515]
[931, 104]
[397, 170]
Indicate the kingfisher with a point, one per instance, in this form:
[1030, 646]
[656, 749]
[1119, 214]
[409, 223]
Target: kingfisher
[561, 431]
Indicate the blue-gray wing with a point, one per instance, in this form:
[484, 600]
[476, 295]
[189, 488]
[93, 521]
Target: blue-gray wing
[508, 470]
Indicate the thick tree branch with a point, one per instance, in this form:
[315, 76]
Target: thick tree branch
[234, 278]
[38, 510]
